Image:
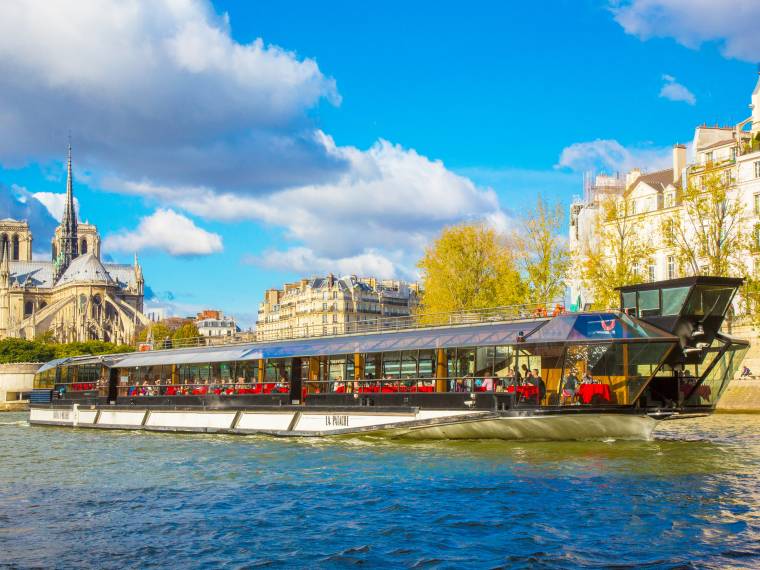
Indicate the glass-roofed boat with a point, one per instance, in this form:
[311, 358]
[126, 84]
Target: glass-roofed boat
[507, 375]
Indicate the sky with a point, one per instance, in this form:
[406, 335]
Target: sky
[235, 146]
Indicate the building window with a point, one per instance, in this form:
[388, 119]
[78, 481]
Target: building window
[756, 202]
[732, 153]
[671, 267]
[633, 207]
[709, 157]
[669, 200]
[636, 268]
[757, 169]
[652, 271]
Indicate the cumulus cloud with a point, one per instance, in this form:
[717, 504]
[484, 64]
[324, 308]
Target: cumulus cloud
[160, 88]
[164, 104]
[675, 91]
[608, 155]
[55, 202]
[18, 203]
[168, 231]
[303, 260]
[389, 199]
[730, 23]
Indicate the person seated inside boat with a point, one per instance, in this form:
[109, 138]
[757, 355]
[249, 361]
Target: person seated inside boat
[569, 386]
[539, 383]
[459, 385]
[525, 375]
[487, 383]
[588, 379]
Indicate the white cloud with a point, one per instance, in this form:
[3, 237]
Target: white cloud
[675, 91]
[18, 203]
[303, 260]
[55, 202]
[168, 231]
[379, 214]
[733, 24]
[164, 104]
[157, 87]
[608, 155]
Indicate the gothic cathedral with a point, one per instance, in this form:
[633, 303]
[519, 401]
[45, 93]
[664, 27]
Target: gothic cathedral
[74, 296]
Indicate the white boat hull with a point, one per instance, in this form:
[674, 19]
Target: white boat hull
[414, 424]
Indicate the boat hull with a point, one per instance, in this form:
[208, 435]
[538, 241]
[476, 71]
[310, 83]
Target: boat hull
[410, 423]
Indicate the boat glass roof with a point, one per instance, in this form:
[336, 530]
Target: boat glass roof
[591, 327]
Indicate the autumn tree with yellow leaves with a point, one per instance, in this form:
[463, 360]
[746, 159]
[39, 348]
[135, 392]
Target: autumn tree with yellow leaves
[469, 267]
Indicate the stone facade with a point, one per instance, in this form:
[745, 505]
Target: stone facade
[74, 296]
[329, 305]
[651, 199]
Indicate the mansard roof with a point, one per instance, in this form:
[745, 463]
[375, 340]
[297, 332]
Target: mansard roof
[658, 180]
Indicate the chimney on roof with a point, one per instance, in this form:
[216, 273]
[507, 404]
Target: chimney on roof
[679, 161]
[632, 176]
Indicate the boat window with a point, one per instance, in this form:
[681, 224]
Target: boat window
[426, 364]
[673, 300]
[409, 364]
[391, 364]
[610, 373]
[709, 300]
[649, 303]
[711, 389]
[629, 302]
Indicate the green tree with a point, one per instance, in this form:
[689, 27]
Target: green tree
[707, 236]
[22, 350]
[542, 253]
[469, 267]
[94, 347]
[613, 260]
[186, 333]
[157, 331]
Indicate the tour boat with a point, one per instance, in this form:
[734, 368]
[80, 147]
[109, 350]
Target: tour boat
[514, 373]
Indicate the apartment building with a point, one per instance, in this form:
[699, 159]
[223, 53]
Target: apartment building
[329, 305]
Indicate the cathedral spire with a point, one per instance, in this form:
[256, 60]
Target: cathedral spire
[68, 244]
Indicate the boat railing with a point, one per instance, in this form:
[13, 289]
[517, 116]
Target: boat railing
[266, 333]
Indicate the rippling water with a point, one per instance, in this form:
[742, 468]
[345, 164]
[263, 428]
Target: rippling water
[86, 498]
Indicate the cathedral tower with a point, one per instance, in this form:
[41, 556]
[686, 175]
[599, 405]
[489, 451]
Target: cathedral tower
[68, 244]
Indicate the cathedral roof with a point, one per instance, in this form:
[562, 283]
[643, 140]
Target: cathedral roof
[86, 268]
[31, 273]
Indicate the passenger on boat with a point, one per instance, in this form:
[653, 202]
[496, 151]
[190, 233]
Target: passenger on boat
[540, 384]
[569, 387]
[487, 384]
[588, 379]
[459, 385]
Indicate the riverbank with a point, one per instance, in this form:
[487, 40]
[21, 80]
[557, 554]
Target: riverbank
[741, 396]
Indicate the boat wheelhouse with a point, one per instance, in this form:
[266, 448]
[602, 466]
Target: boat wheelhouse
[500, 374]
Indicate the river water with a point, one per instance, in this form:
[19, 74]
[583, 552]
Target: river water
[100, 499]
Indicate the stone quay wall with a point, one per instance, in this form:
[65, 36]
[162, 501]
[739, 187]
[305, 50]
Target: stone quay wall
[15, 379]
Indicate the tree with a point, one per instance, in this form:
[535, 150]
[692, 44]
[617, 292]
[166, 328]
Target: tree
[186, 332]
[542, 253]
[22, 350]
[157, 331]
[706, 236]
[613, 260]
[94, 347]
[469, 267]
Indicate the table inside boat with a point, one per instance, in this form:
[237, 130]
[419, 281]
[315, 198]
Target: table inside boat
[588, 393]
[526, 391]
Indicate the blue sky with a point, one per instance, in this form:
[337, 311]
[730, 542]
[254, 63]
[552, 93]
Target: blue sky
[237, 145]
